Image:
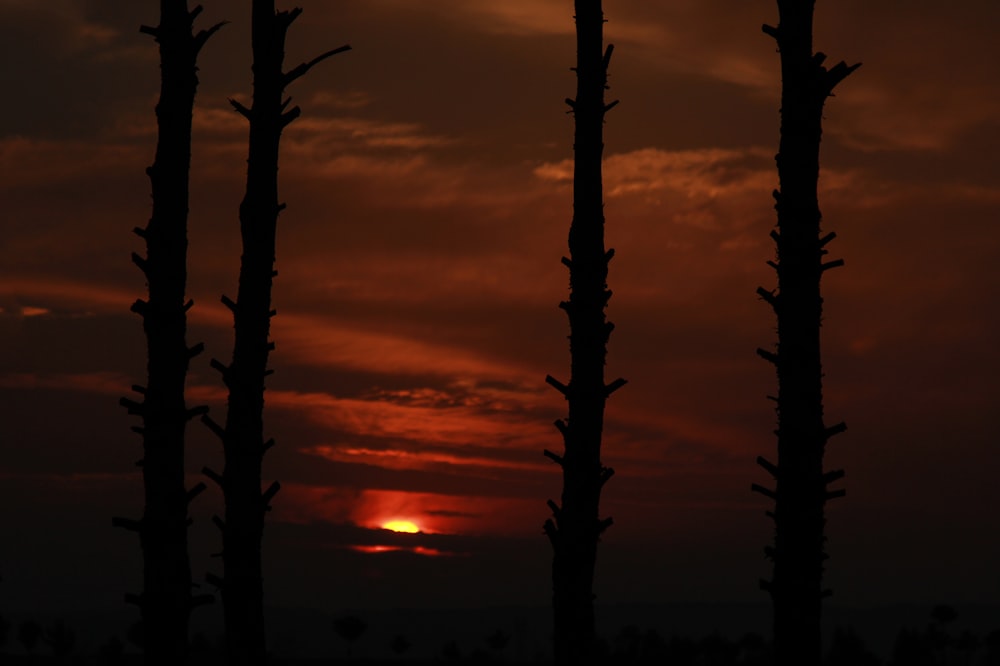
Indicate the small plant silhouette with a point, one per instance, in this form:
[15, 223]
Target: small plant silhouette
[112, 652]
[451, 651]
[400, 644]
[60, 639]
[29, 632]
[498, 640]
[351, 628]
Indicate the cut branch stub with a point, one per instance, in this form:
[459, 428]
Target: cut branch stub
[299, 71]
[770, 357]
[836, 74]
[286, 18]
[127, 524]
[766, 492]
[200, 410]
[242, 110]
[614, 386]
[771, 468]
[288, 117]
[834, 494]
[196, 490]
[608, 52]
[134, 408]
[219, 431]
[768, 296]
[140, 262]
[603, 525]
[269, 494]
[836, 263]
[836, 429]
[204, 35]
[556, 511]
[606, 474]
[556, 384]
[550, 530]
[833, 475]
[556, 458]
[213, 475]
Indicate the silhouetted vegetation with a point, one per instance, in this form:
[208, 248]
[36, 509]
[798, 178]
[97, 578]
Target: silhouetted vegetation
[28, 634]
[801, 487]
[60, 639]
[400, 644]
[166, 600]
[575, 527]
[350, 628]
[4, 631]
[243, 434]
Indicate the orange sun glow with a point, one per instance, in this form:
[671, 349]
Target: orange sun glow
[401, 526]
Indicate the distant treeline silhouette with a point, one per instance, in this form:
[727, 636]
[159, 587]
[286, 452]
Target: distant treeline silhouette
[938, 643]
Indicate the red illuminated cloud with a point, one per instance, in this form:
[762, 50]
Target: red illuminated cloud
[433, 513]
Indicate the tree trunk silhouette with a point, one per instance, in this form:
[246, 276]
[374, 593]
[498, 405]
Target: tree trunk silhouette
[242, 436]
[575, 528]
[166, 601]
[801, 487]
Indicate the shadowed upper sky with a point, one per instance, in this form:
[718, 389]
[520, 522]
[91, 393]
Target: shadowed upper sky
[428, 185]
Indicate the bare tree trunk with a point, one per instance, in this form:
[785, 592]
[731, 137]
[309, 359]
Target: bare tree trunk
[575, 527]
[242, 437]
[166, 600]
[801, 486]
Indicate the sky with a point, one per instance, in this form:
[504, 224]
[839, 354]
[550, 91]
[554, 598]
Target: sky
[428, 185]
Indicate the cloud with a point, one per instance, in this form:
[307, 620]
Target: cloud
[106, 383]
[432, 513]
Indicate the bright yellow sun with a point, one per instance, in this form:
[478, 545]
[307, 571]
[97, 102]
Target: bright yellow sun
[401, 526]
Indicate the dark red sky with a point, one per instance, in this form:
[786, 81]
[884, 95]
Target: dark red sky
[428, 200]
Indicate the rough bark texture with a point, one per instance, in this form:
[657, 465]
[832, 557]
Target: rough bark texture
[166, 600]
[575, 527]
[243, 434]
[801, 489]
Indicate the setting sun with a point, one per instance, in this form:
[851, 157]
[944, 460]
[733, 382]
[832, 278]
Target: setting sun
[401, 526]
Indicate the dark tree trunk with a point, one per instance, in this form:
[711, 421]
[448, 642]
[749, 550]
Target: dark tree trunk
[166, 600]
[243, 434]
[801, 491]
[575, 527]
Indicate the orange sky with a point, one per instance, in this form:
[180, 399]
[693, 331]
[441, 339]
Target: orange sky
[428, 185]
